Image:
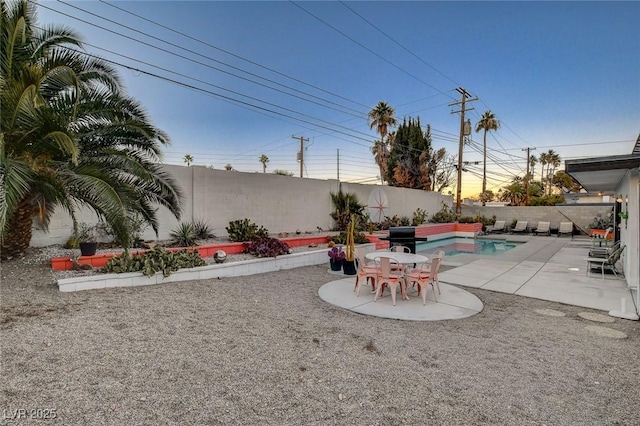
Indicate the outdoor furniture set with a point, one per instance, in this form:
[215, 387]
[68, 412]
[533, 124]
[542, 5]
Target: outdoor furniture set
[399, 267]
[604, 258]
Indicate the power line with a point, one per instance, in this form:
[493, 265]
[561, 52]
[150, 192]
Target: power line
[360, 114]
[400, 45]
[366, 48]
[235, 55]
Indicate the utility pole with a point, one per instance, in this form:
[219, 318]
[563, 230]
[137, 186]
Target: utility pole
[301, 154]
[528, 177]
[338, 164]
[462, 102]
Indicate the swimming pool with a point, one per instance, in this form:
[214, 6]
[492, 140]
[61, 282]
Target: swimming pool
[453, 246]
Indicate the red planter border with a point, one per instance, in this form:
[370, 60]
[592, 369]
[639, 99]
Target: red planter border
[100, 260]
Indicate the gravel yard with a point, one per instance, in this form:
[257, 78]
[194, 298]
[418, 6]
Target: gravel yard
[265, 349]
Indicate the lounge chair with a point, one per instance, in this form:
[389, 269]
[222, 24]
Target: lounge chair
[566, 228]
[496, 227]
[543, 228]
[600, 251]
[521, 227]
[608, 262]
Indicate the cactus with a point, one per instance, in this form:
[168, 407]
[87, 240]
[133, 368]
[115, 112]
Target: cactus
[350, 246]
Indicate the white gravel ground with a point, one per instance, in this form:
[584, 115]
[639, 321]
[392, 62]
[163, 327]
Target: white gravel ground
[265, 349]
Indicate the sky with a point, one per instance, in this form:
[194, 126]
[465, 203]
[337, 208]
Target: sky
[230, 81]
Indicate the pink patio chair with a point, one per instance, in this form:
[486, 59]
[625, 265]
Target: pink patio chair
[365, 272]
[387, 277]
[425, 276]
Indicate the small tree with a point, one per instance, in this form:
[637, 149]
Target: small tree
[264, 160]
[188, 159]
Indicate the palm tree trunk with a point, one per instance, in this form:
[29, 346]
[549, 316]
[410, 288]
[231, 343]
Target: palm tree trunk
[484, 169]
[19, 233]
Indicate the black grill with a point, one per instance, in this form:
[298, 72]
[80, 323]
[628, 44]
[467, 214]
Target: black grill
[403, 236]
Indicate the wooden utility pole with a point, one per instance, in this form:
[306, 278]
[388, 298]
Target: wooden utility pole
[462, 102]
[301, 154]
[528, 177]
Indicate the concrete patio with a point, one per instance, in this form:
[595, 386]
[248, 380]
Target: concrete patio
[547, 268]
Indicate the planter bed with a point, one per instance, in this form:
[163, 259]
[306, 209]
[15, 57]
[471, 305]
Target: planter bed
[100, 260]
[221, 270]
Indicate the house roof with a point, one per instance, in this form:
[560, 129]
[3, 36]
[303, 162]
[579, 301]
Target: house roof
[603, 174]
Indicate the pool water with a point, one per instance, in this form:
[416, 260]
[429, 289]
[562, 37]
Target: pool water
[453, 246]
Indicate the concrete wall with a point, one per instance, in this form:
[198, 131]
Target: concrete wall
[580, 214]
[630, 231]
[279, 203]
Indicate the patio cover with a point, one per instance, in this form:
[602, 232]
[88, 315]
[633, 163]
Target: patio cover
[605, 174]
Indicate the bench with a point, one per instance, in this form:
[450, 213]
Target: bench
[605, 262]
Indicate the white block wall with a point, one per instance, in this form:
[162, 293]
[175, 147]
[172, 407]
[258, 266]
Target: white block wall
[279, 203]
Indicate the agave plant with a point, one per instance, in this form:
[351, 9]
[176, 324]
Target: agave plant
[184, 235]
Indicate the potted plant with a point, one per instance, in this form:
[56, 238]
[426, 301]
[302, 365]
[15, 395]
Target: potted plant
[599, 226]
[336, 257]
[86, 238]
[349, 264]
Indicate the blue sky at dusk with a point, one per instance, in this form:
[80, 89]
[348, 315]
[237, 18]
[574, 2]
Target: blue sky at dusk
[234, 80]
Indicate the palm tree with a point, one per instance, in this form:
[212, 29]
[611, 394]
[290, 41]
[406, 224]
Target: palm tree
[487, 123]
[382, 118]
[548, 161]
[381, 156]
[188, 159]
[532, 164]
[554, 162]
[70, 137]
[514, 193]
[544, 159]
[264, 160]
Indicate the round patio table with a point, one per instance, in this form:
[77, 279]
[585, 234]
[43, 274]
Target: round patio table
[404, 259]
[400, 257]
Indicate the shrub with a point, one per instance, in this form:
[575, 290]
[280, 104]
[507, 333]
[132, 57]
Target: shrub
[244, 230]
[419, 217]
[395, 221]
[183, 236]
[467, 219]
[155, 260]
[444, 215]
[266, 247]
[136, 225]
[359, 238]
[345, 205]
[202, 229]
